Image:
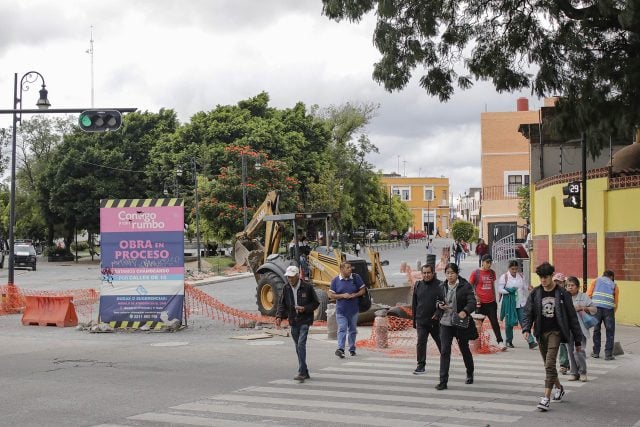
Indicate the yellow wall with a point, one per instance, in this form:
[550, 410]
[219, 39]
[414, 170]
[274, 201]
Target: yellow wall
[607, 211]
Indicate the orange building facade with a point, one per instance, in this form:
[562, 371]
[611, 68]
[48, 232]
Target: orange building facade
[505, 168]
[426, 197]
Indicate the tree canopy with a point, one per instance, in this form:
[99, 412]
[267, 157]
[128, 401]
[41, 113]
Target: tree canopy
[314, 157]
[587, 52]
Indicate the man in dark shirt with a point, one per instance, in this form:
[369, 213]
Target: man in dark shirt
[297, 303]
[549, 310]
[425, 321]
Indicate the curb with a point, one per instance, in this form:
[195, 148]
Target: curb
[218, 279]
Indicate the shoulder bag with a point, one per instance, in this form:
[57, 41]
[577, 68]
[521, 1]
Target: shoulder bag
[458, 322]
[364, 301]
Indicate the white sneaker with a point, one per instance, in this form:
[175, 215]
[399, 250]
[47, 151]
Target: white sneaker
[557, 394]
[543, 405]
[502, 346]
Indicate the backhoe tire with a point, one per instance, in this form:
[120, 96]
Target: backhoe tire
[269, 290]
[321, 311]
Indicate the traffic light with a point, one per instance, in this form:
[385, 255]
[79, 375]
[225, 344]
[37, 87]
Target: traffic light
[572, 191]
[100, 120]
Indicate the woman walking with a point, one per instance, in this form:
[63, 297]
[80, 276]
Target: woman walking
[582, 303]
[514, 291]
[456, 305]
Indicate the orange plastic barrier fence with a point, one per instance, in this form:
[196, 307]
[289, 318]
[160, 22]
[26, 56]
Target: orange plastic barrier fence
[49, 311]
[14, 299]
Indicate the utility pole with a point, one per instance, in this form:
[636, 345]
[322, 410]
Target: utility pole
[583, 146]
[90, 52]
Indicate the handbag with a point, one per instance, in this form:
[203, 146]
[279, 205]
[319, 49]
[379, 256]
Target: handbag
[459, 322]
[588, 320]
[364, 301]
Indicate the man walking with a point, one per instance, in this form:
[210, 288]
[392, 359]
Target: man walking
[483, 282]
[297, 303]
[345, 289]
[549, 311]
[604, 295]
[425, 321]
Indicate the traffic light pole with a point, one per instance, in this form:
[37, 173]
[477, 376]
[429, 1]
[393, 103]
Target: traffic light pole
[583, 146]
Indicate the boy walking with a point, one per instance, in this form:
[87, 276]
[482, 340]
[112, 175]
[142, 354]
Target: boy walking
[549, 310]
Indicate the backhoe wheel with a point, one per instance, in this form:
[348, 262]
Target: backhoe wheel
[269, 290]
[321, 311]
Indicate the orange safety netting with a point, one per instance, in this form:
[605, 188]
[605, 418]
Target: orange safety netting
[84, 300]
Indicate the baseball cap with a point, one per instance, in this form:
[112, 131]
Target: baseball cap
[487, 257]
[560, 277]
[292, 270]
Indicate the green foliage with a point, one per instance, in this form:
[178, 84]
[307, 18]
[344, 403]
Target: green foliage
[585, 51]
[524, 203]
[463, 230]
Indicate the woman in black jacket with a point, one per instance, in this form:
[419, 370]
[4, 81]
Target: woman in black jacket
[457, 302]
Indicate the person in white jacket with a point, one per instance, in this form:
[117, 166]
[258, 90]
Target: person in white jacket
[513, 281]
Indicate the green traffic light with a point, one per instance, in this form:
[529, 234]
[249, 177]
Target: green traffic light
[85, 120]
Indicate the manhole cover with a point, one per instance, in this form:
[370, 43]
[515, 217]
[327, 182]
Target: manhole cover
[170, 344]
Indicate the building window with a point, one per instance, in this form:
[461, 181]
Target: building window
[428, 193]
[403, 192]
[515, 180]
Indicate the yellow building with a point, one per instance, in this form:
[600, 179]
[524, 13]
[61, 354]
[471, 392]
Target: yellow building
[426, 197]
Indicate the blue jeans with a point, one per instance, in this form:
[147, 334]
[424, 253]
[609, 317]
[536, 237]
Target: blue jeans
[607, 316]
[457, 257]
[299, 334]
[508, 330]
[347, 325]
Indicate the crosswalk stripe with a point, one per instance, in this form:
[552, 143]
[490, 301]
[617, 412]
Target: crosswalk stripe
[520, 373]
[494, 359]
[475, 404]
[503, 366]
[452, 412]
[413, 390]
[418, 380]
[310, 416]
[476, 377]
[191, 420]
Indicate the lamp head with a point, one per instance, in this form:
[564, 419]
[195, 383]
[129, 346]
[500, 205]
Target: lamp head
[179, 171]
[43, 102]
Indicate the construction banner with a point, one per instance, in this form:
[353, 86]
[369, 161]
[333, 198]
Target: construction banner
[142, 260]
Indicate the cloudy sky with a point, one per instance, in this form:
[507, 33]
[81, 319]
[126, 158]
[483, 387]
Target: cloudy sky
[193, 55]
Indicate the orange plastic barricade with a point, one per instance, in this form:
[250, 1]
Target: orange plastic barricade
[49, 311]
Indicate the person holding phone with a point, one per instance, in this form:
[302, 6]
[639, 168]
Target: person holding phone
[457, 300]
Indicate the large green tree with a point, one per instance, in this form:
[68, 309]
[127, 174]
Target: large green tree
[588, 52]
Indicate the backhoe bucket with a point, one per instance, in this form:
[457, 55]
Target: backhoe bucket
[243, 248]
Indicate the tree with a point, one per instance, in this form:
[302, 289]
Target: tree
[462, 230]
[524, 203]
[588, 52]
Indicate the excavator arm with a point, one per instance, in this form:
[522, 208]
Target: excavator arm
[249, 251]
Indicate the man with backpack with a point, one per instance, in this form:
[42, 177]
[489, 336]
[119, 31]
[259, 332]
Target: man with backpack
[483, 282]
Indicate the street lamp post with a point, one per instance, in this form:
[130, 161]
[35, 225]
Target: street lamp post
[244, 189]
[43, 103]
[194, 165]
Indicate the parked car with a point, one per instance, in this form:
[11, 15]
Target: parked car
[416, 235]
[24, 256]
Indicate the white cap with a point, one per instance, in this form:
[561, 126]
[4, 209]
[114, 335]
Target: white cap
[292, 270]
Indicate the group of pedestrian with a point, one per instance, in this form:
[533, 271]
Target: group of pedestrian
[298, 301]
[556, 313]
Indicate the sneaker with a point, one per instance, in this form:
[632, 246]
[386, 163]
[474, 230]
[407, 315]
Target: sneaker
[573, 378]
[441, 386]
[557, 394]
[306, 376]
[299, 378]
[352, 352]
[340, 353]
[543, 405]
[419, 370]
[609, 358]
[532, 345]
[583, 378]
[595, 355]
[501, 346]
[509, 345]
[563, 370]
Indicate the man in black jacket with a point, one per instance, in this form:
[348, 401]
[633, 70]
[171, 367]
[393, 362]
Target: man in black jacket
[549, 310]
[425, 321]
[297, 303]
